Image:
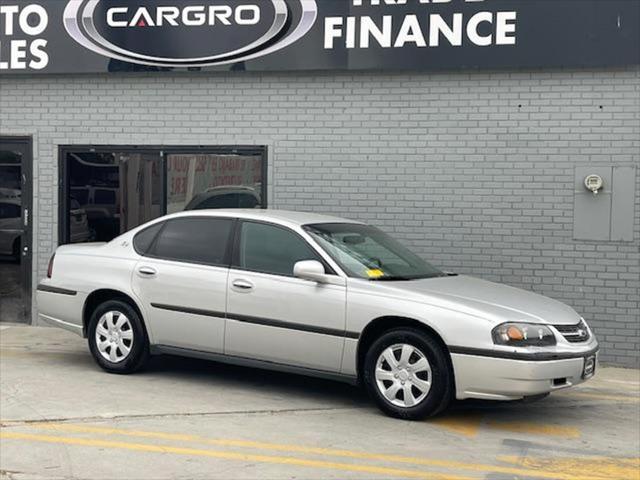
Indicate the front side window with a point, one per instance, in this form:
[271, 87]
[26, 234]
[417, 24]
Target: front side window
[271, 249]
[366, 252]
[200, 240]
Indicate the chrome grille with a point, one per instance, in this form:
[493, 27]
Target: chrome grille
[574, 333]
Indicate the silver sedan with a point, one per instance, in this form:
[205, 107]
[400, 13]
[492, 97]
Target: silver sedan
[315, 295]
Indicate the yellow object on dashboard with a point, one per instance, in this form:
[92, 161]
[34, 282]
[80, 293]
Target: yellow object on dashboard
[375, 273]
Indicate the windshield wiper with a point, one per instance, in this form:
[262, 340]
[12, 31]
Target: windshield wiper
[391, 278]
[400, 278]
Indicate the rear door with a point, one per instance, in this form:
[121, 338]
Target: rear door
[275, 317]
[182, 281]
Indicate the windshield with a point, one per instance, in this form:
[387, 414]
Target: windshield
[366, 252]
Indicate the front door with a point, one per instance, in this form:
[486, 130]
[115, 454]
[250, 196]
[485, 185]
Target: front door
[182, 282]
[15, 229]
[275, 317]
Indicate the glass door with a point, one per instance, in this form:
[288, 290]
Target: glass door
[15, 229]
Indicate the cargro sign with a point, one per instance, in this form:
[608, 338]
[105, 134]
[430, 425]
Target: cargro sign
[76, 36]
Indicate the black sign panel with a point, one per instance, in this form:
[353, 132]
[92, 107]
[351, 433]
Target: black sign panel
[77, 36]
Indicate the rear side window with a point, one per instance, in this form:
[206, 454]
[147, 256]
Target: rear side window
[271, 249]
[195, 240]
[143, 240]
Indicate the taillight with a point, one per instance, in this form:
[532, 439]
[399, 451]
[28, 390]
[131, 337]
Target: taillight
[50, 268]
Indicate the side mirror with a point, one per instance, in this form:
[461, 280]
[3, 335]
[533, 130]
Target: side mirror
[310, 270]
[314, 271]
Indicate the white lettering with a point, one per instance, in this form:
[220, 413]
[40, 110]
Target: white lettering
[410, 32]
[332, 30]
[472, 29]
[111, 14]
[193, 16]
[438, 25]
[252, 19]
[368, 28]
[18, 54]
[169, 15]
[359, 3]
[351, 32]
[221, 12]
[142, 18]
[41, 58]
[506, 28]
[9, 12]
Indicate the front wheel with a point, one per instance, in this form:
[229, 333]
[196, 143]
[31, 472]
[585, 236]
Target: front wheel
[407, 374]
[117, 338]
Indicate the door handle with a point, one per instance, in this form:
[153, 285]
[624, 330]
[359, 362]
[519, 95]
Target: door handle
[242, 285]
[147, 271]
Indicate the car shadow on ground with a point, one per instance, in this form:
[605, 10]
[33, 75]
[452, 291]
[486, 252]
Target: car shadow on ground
[187, 369]
[329, 393]
[334, 392]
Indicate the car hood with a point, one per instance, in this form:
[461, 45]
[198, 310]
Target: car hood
[493, 301]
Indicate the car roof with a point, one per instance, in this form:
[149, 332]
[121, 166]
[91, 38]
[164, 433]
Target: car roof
[284, 217]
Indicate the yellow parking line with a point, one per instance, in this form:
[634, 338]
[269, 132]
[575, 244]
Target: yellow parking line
[447, 464]
[606, 467]
[536, 428]
[193, 452]
[460, 423]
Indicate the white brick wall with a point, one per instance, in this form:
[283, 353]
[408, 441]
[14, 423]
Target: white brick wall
[474, 170]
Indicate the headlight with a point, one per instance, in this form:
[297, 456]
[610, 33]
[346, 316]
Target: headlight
[523, 335]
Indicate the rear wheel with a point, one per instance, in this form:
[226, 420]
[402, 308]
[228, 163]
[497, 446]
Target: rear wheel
[117, 338]
[407, 374]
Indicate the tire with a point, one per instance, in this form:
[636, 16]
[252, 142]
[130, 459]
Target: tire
[423, 402]
[107, 316]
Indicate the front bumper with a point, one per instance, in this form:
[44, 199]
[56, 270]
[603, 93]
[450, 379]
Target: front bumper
[495, 378]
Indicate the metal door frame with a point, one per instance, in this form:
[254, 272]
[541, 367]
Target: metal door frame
[24, 144]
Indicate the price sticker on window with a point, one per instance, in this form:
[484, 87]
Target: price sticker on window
[375, 273]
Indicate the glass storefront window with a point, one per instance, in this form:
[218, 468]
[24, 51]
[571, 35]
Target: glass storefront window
[202, 181]
[110, 193]
[111, 190]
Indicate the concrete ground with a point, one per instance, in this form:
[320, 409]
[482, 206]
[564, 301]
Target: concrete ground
[11, 305]
[63, 418]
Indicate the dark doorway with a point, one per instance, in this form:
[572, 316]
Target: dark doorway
[15, 229]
